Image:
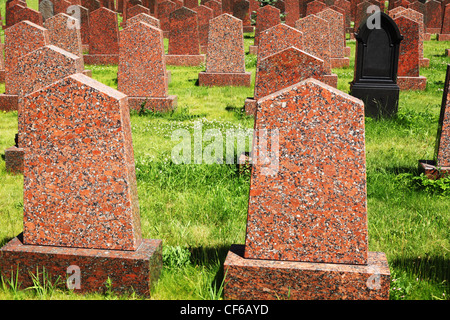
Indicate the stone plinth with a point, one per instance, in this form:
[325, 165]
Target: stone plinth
[129, 271]
[224, 79]
[185, 60]
[14, 159]
[254, 279]
[155, 104]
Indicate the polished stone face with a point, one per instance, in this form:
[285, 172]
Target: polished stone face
[63, 33]
[266, 17]
[183, 34]
[142, 66]
[308, 200]
[79, 175]
[21, 39]
[103, 32]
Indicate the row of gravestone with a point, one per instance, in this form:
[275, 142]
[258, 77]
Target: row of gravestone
[80, 195]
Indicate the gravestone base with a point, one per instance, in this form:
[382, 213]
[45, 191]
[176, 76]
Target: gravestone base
[185, 60]
[2, 76]
[331, 80]
[9, 102]
[340, 62]
[210, 79]
[379, 101]
[248, 29]
[166, 34]
[433, 31]
[87, 73]
[129, 271]
[85, 47]
[426, 36]
[424, 63]
[203, 49]
[253, 50]
[101, 59]
[155, 104]
[443, 37]
[14, 159]
[255, 279]
[429, 168]
[347, 51]
[250, 106]
[412, 83]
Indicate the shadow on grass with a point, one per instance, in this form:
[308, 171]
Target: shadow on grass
[211, 256]
[434, 268]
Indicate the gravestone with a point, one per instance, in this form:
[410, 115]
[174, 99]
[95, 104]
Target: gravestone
[316, 41]
[80, 205]
[225, 63]
[133, 11]
[184, 43]
[191, 4]
[36, 70]
[103, 38]
[266, 17]
[273, 40]
[292, 9]
[241, 10]
[216, 7]
[61, 6]
[376, 67]
[2, 63]
[444, 35]
[46, 9]
[306, 235]
[433, 17]
[142, 72]
[63, 33]
[164, 9]
[337, 37]
[142, 17]
[227, 6]
[76, 11]
[417, 17]
[439, 167]
[27, 14]
[314, 7]
[204, 15]
[408, 77]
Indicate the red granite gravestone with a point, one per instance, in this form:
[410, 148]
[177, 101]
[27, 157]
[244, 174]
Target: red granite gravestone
[433, 17]
[36, 70]
[91, 5]
[135, 10]
[439, 167]
[20, 39]
[142, 68]
[225, 63]
[216, 7]
[292, 12]
[103, 38]
[184, 43]
[345, 6]
[314, 7]
[9, 11]
[2, 63]
[316, 41]
[444, 35]
[61, 6]
[24, 13]
[361, 13]
[142, 17]
[307, 216]
[164, 9]
[417, 17]
[79, 11]
[285, 68]
[408, 77]
[80, 205]
[204, 15]
[337, 37]
[63, 33]
[241, 10]
[191, 4]
[227, 6]
[266, 17]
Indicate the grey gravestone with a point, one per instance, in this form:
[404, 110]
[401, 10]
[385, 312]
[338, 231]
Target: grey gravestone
[376, 67]
[46, 9]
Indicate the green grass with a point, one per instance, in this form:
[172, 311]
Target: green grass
[200, 210]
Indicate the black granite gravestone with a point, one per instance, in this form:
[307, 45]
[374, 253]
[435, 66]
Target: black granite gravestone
[376, 65]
